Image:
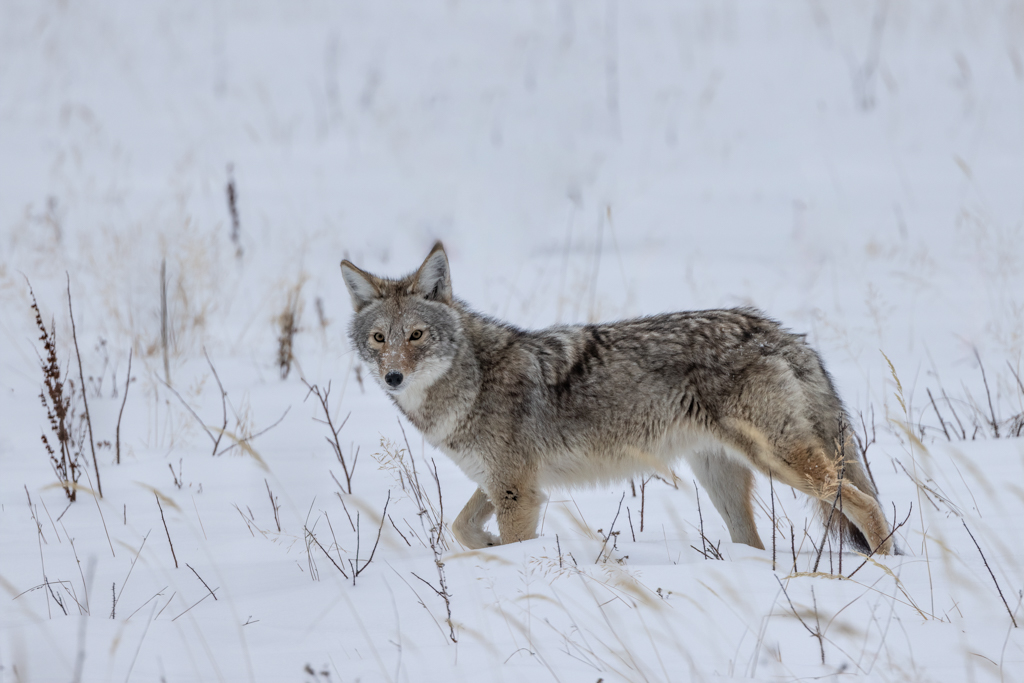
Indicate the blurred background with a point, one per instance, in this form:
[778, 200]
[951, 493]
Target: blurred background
[856, 169]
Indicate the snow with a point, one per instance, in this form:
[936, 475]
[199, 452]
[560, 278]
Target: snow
[856, 170]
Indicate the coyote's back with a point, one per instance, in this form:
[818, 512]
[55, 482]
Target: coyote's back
[521, 411]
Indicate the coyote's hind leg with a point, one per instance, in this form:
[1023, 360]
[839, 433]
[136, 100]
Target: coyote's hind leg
[804, 465]
[729, 484]
[469, 525]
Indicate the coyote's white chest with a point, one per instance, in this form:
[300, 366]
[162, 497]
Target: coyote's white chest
[435, 421]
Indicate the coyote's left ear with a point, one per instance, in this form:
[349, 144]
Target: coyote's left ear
[433, 280]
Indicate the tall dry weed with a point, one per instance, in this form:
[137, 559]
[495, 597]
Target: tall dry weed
[57, 398]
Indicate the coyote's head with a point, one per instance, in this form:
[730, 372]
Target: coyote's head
[405, 330]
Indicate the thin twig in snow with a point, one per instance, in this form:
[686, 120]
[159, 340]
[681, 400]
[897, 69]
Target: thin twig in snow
[611, 529]
[311, 535]
[85, 399]
[201, 579]
[359, 570]
[223, 402]
[123, 583]
[124, 400]
[1000, 590]
[157, 496]
[202, 424]
[994, 422]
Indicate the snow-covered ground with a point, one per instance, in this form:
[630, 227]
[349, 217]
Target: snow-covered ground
[855, 169]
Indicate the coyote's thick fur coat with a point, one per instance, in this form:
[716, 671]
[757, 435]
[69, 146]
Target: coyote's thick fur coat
[520, 411]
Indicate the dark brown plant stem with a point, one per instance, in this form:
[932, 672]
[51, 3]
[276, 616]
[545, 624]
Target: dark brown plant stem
[201, 579]
[85, 399]
[157, 495]
[117, 432]
[1000, 590]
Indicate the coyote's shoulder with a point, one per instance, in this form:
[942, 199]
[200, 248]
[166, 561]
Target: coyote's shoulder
[519, 411]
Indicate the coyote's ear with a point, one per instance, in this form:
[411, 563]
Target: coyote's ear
[362, 286]
[433, 280]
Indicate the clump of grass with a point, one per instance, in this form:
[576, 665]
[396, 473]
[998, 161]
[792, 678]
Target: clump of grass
[402, 463]
[236, 226]
[57, 398]
[288, 325]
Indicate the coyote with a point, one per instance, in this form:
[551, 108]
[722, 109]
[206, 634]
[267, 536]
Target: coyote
[521, 412]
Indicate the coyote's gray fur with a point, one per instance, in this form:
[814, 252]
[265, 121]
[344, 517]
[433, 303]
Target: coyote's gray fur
[521, 412]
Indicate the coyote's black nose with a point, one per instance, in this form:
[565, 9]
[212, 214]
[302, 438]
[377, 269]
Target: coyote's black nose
[393, 378]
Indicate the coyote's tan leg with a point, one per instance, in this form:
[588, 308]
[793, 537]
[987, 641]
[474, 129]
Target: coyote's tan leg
[806, 467]
[518, 509]
[469, 525]
[729, 485]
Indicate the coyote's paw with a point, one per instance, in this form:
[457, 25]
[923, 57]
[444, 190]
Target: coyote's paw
[475, 538]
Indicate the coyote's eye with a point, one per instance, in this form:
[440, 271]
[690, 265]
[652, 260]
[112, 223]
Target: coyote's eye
[415, 335]
[378, 337]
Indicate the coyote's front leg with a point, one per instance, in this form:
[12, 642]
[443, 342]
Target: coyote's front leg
[469, 525]
[517, 506]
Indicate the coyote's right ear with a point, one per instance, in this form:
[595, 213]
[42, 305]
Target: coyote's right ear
[362, 286]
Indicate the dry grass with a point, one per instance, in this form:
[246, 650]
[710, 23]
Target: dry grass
[966, 417]
[288, 326]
